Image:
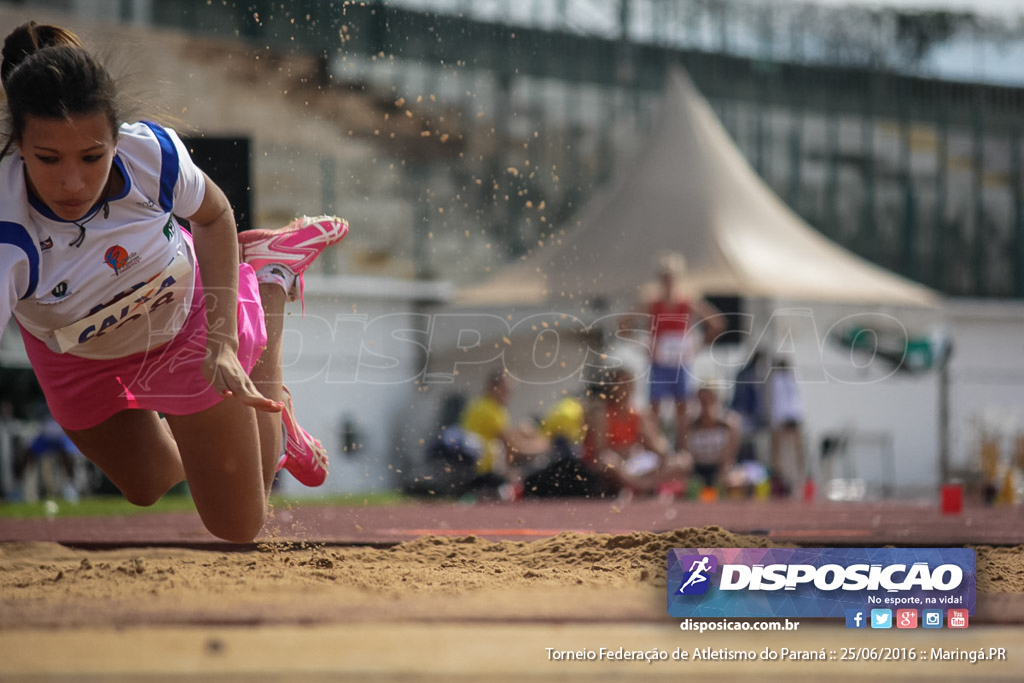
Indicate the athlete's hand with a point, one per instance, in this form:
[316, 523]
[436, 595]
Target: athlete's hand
[225, 373]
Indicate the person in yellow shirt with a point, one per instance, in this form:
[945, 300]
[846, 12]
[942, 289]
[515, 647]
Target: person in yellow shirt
[508, 448]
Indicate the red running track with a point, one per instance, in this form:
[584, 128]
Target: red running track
[816, 524]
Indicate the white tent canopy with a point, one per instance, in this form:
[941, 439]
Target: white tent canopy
[691, 191]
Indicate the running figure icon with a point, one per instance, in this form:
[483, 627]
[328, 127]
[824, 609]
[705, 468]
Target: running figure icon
[697, 573]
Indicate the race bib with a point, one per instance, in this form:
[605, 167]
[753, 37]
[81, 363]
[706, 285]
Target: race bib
[144, 319]
[671, 349]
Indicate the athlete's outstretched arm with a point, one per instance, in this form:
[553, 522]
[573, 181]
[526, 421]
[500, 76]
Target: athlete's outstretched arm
[216, 242]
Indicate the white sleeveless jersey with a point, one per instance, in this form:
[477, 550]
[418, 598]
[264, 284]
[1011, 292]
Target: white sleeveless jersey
[127, 285]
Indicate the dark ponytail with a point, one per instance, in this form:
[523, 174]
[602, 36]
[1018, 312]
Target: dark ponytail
[29, 38]
[47, 73]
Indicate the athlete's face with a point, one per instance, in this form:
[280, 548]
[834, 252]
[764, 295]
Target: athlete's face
[68, 161]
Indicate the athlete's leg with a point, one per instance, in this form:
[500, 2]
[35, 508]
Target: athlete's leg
[219, 450]
[682, 422]
[136, 452]
[230, 452]
[681, 399]
[280, 257]
[221, 454]
[267, 378]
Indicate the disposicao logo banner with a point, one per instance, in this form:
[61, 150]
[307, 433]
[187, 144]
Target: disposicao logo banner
[817, 582]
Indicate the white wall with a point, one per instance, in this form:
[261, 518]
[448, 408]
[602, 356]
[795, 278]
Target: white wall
[890, 415]
[853, 392]
[348, 358]
[987, 375]
[363, 347]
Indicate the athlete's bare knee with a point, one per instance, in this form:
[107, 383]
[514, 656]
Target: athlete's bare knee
[143, 496]
[235, 530]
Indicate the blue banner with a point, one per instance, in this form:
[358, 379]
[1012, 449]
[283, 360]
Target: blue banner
[818, 582]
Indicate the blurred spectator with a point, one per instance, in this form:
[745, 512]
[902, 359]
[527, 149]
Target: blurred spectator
[713, 439]
[8, 446]
[451, 455]
[565, 475]
[631, 348]
[787, 417]
[750, 404]
[625, 443]
[508, 449]
[51, 465]
[565, 425]
[675, 318]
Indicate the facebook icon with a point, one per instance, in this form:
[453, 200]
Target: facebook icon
[856, 618]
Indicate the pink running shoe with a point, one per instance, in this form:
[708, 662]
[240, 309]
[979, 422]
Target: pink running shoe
[294, 246]
[304, 456]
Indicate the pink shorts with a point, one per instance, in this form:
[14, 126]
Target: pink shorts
[83, 392]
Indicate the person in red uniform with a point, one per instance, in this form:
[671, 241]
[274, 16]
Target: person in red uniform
[624, 443]
[674, 318]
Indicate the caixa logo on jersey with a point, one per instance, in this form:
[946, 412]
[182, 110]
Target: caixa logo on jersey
[817, 582]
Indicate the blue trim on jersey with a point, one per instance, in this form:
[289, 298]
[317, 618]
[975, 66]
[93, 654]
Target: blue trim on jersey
[168, 165]
[40, 206]
[127, 180]
[17, 235]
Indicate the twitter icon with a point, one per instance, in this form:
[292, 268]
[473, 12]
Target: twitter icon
[881, 618]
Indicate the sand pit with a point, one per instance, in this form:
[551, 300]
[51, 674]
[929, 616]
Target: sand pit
[433, 608]
[430, 578]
